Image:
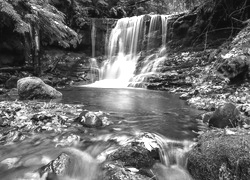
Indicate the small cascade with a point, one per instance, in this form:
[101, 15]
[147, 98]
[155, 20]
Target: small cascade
[94, 70]
[93, 37]
[173, 158]
[164, 21]
[153, 32]
[126, 43]
[152, 66]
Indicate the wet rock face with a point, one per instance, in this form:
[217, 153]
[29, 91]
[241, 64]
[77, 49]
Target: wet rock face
[220, 155]
[34, 88]
[57, 166]
[135, 156]
[71, 164]
[225, 116]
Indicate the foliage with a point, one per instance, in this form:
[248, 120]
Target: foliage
[79, 11]
[8, 15]
[26, 14]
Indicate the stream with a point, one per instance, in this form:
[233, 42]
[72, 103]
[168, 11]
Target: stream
[155, 116]
[152, 111]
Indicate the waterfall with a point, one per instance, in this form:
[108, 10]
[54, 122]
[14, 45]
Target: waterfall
[93, 37]
[126, 44]
[123, 49]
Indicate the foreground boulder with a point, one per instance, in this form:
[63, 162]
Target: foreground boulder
[225, 116]
[220, 154]
[34, 88]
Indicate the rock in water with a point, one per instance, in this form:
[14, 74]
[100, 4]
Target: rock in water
[133, 156]
[71, 164]
[92, 119]
[225, 116]
[34, 88]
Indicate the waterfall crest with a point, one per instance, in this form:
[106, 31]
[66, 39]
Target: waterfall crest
[130, 38]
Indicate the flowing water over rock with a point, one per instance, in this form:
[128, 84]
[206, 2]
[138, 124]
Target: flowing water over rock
[131, 38]
[155, 127]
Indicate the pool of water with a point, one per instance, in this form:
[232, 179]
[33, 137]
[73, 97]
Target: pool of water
[132, 113]
[152, 111]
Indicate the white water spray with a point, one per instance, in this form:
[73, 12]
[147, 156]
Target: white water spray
[125, 44]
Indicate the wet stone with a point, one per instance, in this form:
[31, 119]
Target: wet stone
[225, 116]
[115, 171]
[133, 155]
[57, 166]
[92, 119]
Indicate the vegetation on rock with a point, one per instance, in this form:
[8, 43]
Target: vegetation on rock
[220, 154]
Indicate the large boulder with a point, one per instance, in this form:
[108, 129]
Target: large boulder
[226, 115]
[235, 68]
[233, 61]
[34, 88]
[220, 154]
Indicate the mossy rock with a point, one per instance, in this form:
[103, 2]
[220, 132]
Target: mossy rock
[221, 154]
[133, 156]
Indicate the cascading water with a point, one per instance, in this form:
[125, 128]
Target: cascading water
[122, 50]
[93, 37]
[128, 40]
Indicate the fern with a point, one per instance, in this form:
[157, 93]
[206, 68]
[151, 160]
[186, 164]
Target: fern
[6, 9]
[50, 21]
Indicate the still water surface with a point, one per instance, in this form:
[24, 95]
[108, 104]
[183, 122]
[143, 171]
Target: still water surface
[152, 111]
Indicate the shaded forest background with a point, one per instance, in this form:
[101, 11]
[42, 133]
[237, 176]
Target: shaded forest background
[27, 26]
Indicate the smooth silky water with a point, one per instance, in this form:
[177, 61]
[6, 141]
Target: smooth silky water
[166, 118]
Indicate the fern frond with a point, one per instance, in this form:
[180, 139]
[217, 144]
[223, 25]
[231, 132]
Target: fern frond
[8, 10]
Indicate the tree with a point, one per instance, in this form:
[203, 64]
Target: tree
[36, 18]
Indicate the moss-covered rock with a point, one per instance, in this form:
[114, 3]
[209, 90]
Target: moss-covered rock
[225, 116]
[34, 88]
[134, 155]
[221, 154]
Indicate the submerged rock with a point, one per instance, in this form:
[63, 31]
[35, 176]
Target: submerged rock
[220, 154]
[185, 96]
[34, 88]
[225, 116]
[170, 173]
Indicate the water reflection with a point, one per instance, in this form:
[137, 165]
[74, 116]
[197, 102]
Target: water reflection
[152, 111]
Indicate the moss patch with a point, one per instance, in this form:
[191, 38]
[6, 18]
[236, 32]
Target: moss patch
[221, 154]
